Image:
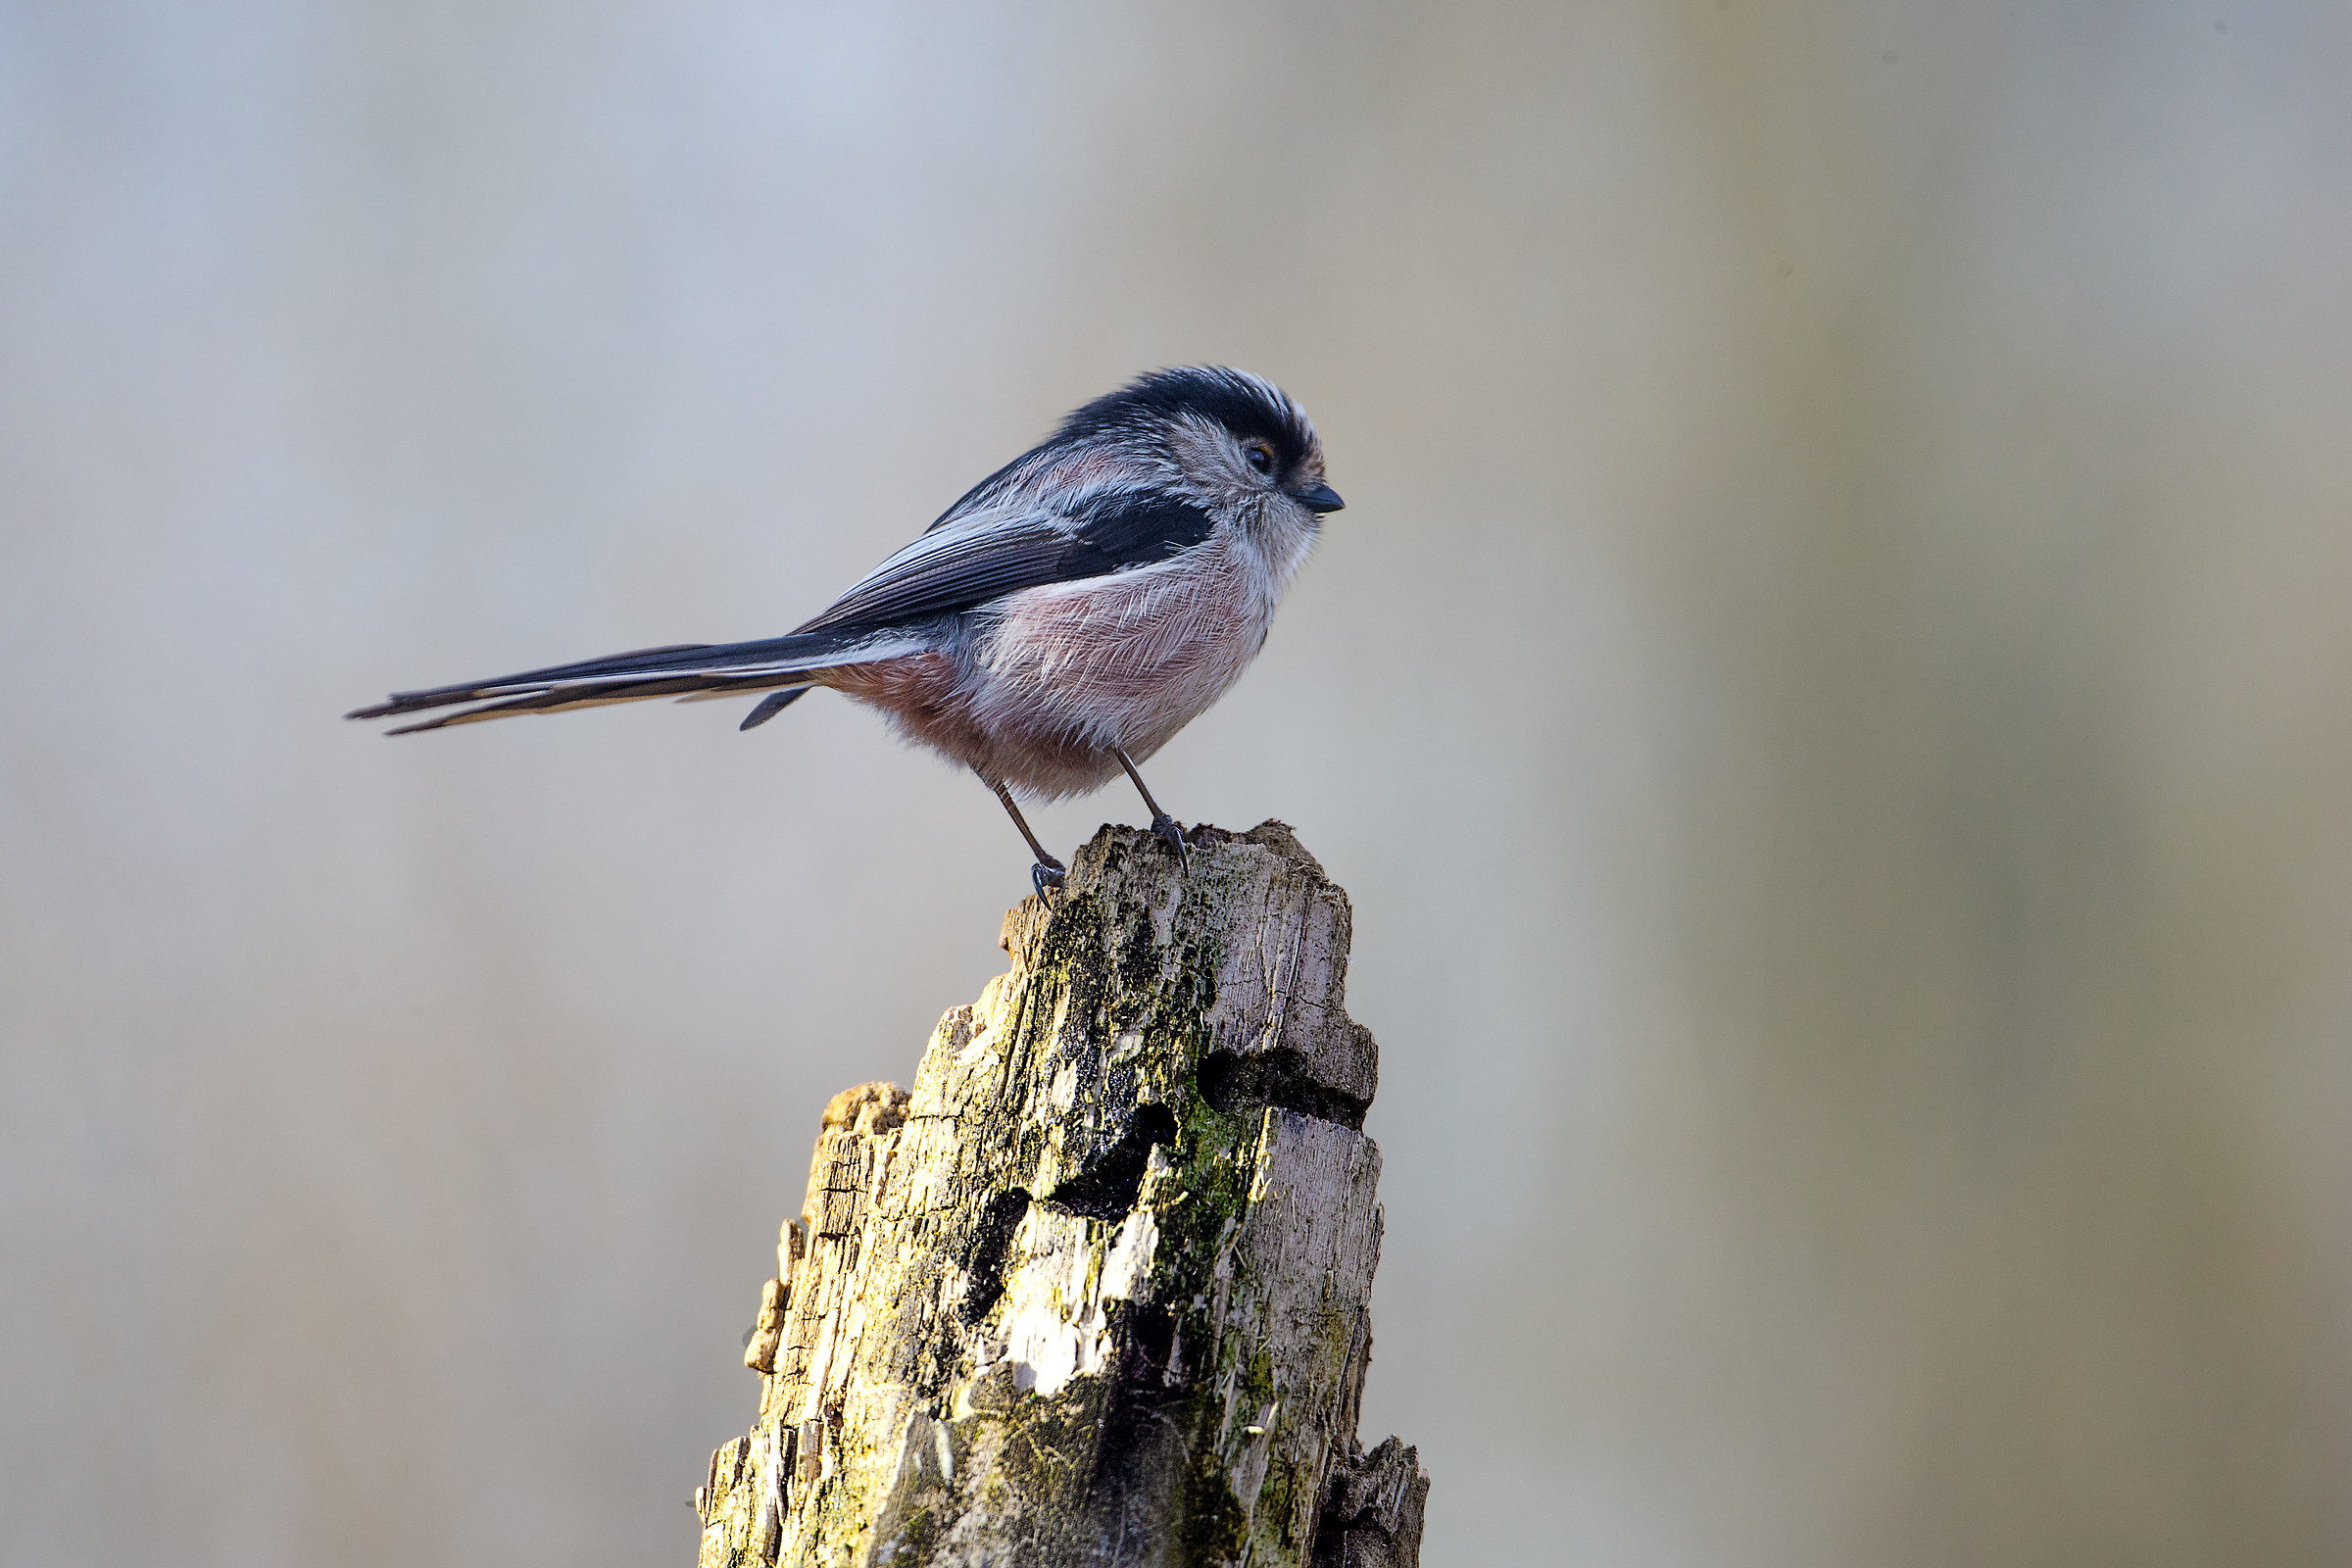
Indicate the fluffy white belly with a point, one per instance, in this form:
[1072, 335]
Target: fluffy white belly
[1126, 660]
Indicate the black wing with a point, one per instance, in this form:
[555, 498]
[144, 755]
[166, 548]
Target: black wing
[957, 568]
[972, 561]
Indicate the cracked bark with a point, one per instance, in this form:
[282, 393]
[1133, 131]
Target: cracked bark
[1096, 1290]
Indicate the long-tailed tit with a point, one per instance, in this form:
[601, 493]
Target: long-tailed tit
[1061, 622]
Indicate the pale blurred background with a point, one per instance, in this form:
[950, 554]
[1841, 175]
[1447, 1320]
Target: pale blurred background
[1832, 696]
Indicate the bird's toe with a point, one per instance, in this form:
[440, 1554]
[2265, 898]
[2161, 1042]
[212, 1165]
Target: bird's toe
[1167, 829]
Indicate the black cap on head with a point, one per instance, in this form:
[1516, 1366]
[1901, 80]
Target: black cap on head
[1235, 399]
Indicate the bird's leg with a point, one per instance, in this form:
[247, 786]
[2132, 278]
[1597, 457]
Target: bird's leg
[1162, 824]
[1047, 871]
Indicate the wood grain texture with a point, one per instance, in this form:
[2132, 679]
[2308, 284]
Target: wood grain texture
[1096, 1290]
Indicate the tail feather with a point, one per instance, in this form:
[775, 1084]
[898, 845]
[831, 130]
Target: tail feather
[769, 707]
[694, 669]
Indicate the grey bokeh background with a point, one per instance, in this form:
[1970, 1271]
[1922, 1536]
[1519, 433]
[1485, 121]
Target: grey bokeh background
[1833, 695]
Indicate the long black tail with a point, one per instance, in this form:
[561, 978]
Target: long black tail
[690, 669]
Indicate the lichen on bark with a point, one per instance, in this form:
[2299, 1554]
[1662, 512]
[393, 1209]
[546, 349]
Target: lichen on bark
[1096, 1289]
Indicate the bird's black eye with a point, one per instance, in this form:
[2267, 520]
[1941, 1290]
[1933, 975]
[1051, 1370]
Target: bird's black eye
[1260, 455]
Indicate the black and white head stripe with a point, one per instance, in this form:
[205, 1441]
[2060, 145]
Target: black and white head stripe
[1242, 403]
[1140, 412]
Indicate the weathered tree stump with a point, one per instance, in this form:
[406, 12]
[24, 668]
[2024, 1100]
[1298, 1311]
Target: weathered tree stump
[1096, 1290]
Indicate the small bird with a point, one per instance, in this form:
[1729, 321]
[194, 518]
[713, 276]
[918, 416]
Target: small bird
[1054, 627]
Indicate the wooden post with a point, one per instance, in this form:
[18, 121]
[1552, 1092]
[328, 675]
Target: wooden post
[1097, 1291]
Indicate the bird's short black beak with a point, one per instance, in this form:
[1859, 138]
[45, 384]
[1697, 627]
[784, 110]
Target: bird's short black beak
[1322, 498]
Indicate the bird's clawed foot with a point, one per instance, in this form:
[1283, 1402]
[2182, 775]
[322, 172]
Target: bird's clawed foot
[1164, 827]
[1046, 873]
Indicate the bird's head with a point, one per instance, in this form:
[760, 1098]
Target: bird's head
[1233, 435]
